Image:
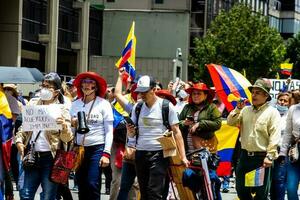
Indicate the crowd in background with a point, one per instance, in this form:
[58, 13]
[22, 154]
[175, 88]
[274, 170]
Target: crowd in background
[125, 119]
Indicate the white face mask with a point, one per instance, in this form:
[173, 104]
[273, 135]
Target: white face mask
[46, 94]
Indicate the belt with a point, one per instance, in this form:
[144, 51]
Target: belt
[255, 153]
[41, 154]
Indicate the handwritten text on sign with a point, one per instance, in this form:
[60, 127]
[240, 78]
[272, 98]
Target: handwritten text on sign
[41, 117]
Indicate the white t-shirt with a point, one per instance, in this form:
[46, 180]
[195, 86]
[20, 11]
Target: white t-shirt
[41, 144]
[100, 113]
[151, 125]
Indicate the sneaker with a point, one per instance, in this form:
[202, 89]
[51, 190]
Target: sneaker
[225, 190]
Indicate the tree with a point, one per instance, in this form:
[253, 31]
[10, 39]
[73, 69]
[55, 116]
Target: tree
[242, 40]
[293, 54]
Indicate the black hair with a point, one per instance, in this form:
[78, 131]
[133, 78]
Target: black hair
[54, 79]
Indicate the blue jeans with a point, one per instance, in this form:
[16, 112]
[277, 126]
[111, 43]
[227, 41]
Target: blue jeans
[226, 180]
[278, 185]
[89, 173]
[127, 179]
[215, 184]
[34, 177]
[293, 178]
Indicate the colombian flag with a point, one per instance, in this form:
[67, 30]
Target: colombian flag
[286, 68]
[228, 81]
[255, 178]
[5, 130]
[227, 137]
[127, 59]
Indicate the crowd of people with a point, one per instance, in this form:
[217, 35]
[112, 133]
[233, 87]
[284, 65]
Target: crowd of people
[123, 122]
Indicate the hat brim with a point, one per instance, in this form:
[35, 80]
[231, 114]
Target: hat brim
[101, 83]
[210, 94]
[142, 89]
[255, 86]
[166, 94]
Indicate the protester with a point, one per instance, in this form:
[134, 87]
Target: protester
[151, 166]
[72, 90]
[12, 97]
[46, 143]
[291, 137]
[295, 97]
[128, 173]
[5, 150]
[260, 135]
[278, 184]
[98, 140]
[199, 120]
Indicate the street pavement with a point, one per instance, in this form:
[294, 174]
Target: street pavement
[231, 195]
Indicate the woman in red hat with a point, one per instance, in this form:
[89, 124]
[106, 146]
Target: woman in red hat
[199, 120]
[97, 138]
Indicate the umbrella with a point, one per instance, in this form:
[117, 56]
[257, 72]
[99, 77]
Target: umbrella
[228, 81]
[20, 75]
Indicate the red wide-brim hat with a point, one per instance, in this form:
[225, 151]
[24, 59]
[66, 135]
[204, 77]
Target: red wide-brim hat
[101, 83]
[202, 87]
[167, 95]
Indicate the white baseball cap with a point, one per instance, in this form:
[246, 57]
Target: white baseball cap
[145, 83]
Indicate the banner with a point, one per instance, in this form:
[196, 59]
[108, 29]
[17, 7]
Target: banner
[278, 84]
[41, 117]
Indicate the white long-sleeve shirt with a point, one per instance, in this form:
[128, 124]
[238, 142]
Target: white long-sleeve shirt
[100, 122]
[292, 130]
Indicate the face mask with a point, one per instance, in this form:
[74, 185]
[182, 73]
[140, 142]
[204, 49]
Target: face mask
[282, 109]
[46, 94]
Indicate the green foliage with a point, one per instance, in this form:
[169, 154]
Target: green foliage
[293, 54]
[240, 39]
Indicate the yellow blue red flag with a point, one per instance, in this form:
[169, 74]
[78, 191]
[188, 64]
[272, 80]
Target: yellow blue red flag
[286, 68]
[5, 131]
[227, 137]
[255, 178]
[127, 59]
[228, 81]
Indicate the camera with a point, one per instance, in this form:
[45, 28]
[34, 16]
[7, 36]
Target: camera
[179, 53]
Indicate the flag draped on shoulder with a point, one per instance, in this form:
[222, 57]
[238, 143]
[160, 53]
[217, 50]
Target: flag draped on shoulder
[5, 131]
[286, 68]
[227, 137]
[127, 59]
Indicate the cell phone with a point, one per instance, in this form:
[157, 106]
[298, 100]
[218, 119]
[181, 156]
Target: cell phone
[189, 117]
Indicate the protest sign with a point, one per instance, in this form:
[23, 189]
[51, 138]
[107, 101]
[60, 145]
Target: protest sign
[278, 84]
[41, 117]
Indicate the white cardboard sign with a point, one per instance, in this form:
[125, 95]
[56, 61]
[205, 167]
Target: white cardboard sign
[41, 117]
[277, 85]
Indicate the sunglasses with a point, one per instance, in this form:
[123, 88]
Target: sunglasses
[87, 81]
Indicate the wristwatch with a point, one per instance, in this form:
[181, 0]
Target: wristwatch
[270, 158]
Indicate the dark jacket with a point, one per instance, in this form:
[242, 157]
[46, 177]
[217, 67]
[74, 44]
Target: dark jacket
[209, 119]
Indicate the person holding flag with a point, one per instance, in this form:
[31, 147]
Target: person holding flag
[260, 135]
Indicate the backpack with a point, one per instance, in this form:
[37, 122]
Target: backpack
[165, 113]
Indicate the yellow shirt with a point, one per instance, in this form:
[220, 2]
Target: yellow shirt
[259, 128]
[120, 109]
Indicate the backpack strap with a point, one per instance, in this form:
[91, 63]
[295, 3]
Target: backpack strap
[165, 113]
[137, 115]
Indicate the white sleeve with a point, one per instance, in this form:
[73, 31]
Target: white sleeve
[173, 117]
[108, 128]
[108, 120]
